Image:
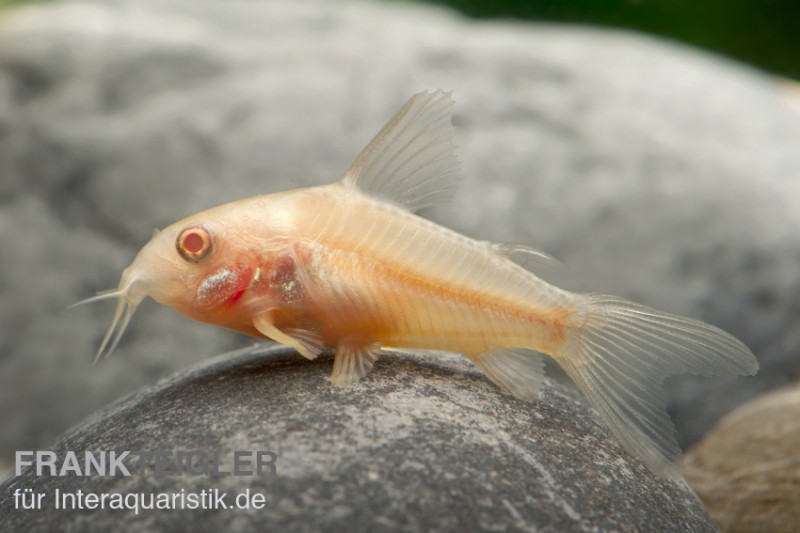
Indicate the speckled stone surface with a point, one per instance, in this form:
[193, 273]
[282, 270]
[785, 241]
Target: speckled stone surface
[424, 443]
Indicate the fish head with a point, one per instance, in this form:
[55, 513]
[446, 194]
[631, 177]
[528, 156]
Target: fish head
[193, 266]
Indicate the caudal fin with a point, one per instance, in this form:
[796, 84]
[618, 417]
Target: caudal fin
[619, 353]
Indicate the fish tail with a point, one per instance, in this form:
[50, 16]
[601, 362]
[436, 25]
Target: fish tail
[619, 353]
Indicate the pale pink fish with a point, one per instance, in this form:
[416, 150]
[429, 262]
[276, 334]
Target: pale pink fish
[348, 266]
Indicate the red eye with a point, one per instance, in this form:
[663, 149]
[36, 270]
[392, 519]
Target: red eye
[194, 243]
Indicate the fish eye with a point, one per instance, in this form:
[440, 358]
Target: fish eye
[194, 243]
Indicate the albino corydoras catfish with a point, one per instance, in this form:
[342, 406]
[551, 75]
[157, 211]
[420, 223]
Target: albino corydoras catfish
[349, 266]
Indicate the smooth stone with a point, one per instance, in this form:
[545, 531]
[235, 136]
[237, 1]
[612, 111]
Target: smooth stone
[747, 468]
[423, 443]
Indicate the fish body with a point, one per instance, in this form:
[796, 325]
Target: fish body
[341, 265]
[349, 266]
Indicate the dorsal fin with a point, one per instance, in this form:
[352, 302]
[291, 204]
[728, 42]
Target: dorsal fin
[411, 162]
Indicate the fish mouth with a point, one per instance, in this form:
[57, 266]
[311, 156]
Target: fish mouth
[129, 296]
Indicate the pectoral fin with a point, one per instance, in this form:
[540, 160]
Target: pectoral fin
[353, 361]
[307, 343]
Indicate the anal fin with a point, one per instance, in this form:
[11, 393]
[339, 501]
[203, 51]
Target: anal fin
[517, 371]
[353, 361]
[307, 343]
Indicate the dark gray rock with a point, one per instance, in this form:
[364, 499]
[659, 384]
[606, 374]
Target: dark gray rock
[424, 443]
[653, 171]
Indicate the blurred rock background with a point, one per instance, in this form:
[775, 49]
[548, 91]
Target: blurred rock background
[652, 169]
[760, 33]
